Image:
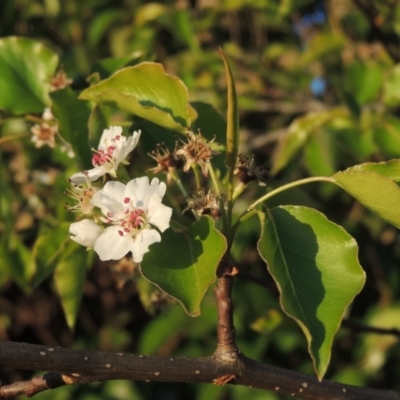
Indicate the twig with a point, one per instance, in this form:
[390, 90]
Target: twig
[81, 366]
[226, 346]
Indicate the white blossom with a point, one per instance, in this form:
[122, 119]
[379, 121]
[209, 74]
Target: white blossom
[45, 133]
[113, 150]
[85, 232]
[130, 211]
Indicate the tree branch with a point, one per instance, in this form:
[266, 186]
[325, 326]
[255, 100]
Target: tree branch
[81, 366]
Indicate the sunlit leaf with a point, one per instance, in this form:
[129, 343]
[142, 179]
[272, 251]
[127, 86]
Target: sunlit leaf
[314, 264]
[26, 68]
[147, 91]
[184, 265]
[374, 191]
[389, 169]
[298, 133]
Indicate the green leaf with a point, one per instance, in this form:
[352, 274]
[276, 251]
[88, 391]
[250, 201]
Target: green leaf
[363, 81]
[232, 118]
[320, 153]
[389, 169]
[376, 192]
[99, 120]
[184, 265]
[26, 67]
[298, 133]
[16, 262]
[314, 264]
[69, 278]
[73, 116]
[147, 91]
[47, 251]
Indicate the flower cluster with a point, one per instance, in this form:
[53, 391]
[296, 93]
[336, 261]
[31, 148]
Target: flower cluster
[120, 218]
[112, 151]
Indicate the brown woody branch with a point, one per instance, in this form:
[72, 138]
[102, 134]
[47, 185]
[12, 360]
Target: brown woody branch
[81, 366]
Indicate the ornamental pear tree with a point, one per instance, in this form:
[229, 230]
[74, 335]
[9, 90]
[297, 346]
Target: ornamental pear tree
[146, 185]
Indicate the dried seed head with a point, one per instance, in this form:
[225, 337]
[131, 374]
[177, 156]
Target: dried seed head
[248, 171]
[204, 204]
[196, 151]
[166, 161]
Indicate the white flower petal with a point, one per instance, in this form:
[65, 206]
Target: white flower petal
[138, 191]
[158, 214]
[85, 232]
[108, 135]
[111, 246]
[92, 174]
[143, 240]
[110, 200]
[130, 144]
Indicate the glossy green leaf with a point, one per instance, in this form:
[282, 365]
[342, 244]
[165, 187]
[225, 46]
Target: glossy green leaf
[69, 278]
[73, 116]
[376, 192]
[298, 133]
[26, 68]
[47, 251]
[184, 265]
[147, 91]
[389, 169]
[315, 266]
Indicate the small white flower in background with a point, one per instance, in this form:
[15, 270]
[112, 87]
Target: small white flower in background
[113, 150]
[130, 212]
[85, 232]
[59, 81]
[45, 133]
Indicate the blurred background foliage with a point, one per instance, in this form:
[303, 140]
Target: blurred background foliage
[318, 84]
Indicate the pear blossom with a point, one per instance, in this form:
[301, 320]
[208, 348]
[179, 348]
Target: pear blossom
[113, 150]
[45, 133]
[130, 212]
[85, 232]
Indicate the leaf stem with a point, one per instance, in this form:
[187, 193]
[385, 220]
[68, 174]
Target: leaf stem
[281, 189]
[250, 211]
